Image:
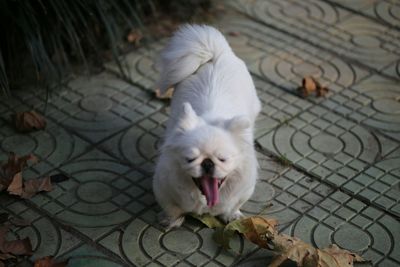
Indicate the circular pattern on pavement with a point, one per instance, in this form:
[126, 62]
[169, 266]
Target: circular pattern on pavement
[92, 196]
[308, 146]
[368, 237]
[385, 101]
[96, 103]
[181, 241]
[52, 145]
[387, 105]
[366, 41]
[94, 192]
[388, 11]
[143, 243]
[326, 144]
[21, 144]
[263, 192]
[351, 238]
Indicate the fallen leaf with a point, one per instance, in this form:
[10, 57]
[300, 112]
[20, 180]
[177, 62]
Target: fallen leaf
[342, 257]
[14, 247]
[305, 255]
[259, 229]
[15, 187]
[11, 178]
[234, 33]
[49, 261]
[134, 37]
[310, 85]
[207, 219]
[295, 250]
[255, 228]
[28, 121]
[15, 165]
[262, 231]
[167, 95]
[322, 91]
[6, 256]
[29, 188]
[34, 186]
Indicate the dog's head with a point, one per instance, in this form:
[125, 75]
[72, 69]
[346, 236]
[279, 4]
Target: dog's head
[206, 152]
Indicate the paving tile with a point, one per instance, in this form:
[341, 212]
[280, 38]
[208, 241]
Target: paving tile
[385, 11]
[352, 225]
[340, 156]
[373, 102]
[354, 36]
[45, 235]
[99, 106]
[104, 133]
[100, 195]
[138, 145]
[53, 145]
[85, 255]
[379, 184]
[281, 192]
[139, 66]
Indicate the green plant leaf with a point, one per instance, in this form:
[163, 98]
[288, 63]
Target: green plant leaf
[207, 219]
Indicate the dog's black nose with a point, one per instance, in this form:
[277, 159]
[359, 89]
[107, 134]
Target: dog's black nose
[208, 166]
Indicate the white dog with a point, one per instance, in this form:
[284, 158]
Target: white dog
[207, 162]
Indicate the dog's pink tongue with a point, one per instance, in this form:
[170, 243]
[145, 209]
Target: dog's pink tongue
[210, 189]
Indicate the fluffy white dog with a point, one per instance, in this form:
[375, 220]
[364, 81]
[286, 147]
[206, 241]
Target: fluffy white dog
[208, 162]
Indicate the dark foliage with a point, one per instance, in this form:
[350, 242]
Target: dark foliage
[46, 37]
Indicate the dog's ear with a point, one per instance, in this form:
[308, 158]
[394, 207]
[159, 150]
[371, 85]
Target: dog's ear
[188, 119]
[237, 124]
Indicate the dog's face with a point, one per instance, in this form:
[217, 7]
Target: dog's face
[207, 153]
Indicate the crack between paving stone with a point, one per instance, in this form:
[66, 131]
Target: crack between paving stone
[344, 57]
[268, 153]
[86, 240]
[349, 9]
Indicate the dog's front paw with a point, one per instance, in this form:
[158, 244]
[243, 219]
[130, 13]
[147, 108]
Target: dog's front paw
[169, 222]
[232, 216]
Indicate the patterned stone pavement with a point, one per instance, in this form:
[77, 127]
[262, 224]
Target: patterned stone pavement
[340, 183]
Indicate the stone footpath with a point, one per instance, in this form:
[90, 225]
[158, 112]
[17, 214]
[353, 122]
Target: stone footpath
[330, 167]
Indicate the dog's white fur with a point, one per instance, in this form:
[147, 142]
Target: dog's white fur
[213, 111]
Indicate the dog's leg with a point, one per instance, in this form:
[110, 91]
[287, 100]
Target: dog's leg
[228, 217]
[171, 217]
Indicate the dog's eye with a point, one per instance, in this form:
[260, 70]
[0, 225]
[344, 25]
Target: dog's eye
[222, 159]
[190, 160]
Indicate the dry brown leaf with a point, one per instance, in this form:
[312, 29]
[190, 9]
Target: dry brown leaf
[15, 187]
[33, 186]
[15, 165]
[310, 85]
[134, 37]
[305, 255]
[255, 228]
[14, 247]
[11, 178]
[262, 231]
[167, 95]
[18, 247]
[342, 257]
[234, 33]
[49, 261]
[6, 256]
[29, 121]
[259, 229]
[29, 188]
[322, 91]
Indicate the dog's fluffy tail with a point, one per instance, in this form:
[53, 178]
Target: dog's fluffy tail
[189, 48]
